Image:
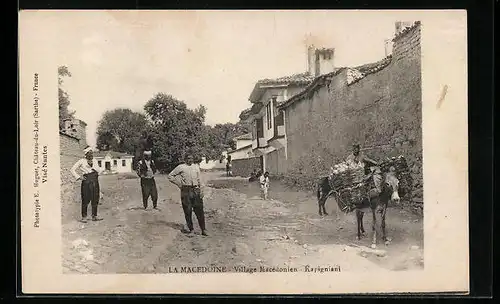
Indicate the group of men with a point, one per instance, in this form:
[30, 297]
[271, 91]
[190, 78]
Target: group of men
[186, 176]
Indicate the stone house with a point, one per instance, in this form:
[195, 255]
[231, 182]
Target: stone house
[376, 104]
[243, 148]
[113, 162]
[267, 121]
[72, 141]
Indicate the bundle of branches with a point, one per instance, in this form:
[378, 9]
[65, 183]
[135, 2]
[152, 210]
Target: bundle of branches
[347, 175]
[350, 197]
[399, 163]
[402, 173]
[348, 181]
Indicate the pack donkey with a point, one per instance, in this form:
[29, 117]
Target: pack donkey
[377, 202]
[324, 190]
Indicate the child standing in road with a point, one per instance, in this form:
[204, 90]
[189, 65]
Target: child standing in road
[264, 184]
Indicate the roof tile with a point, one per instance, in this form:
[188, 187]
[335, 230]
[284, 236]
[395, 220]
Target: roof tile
[113, 154]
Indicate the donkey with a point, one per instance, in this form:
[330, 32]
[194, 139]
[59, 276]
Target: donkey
[323, 191]
[377, 203]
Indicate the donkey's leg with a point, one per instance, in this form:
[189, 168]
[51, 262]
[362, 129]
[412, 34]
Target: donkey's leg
[337, 208]
[320, 203]
[374, 229]
[359, 222]
[323, 206]
[384, 234]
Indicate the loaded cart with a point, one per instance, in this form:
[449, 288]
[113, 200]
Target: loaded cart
[351, 186]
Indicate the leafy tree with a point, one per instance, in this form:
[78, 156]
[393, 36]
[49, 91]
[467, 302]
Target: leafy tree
[175, 129]
[120, 129]
[64, 100]
[225, 133]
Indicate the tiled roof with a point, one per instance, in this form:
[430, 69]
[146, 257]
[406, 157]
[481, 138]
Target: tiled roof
[354, 74]
[302, 78]
[317, 82]
[246, 136]
[357, 73]
[239, 149]
[406, 31]
[113, 154]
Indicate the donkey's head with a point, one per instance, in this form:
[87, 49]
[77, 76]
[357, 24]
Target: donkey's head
[392, 185]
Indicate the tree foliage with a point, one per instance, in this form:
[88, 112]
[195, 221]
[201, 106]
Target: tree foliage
[176, 130]
[120, 130]
[64, 99]
[223, 135]
[173, 128]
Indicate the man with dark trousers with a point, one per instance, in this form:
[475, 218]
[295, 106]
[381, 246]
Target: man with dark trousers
[146, 169]
[187, 177]
[85, 171]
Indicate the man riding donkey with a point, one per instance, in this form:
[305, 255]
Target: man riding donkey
[378, 196]
[382, 187]
[325, 186]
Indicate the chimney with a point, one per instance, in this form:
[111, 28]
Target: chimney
[388, 47]
[311, 60]
[320, 61]
[401, 25]
[78, 129]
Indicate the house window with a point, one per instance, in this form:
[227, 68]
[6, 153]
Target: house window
[260, 127]
[99, 163]
[124, 163]
[268, 114]
[115, 162]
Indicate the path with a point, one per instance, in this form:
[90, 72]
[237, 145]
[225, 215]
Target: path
[244, 231]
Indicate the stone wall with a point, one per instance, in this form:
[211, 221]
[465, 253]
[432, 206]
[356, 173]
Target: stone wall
[243, 167]
[381, 111]
[70, 152]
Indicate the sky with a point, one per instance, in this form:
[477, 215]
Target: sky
[123, 58]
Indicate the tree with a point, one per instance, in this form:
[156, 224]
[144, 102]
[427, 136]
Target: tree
[120, 129]
[64, 100]
[225, 133]
[175, 129]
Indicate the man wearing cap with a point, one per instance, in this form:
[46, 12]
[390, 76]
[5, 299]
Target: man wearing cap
[146, 169]
[187, 177]
[370, 166]
[359, 157]
[83, 170]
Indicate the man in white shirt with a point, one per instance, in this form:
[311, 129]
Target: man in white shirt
[83, 170]
[146, 169]
[187, 177]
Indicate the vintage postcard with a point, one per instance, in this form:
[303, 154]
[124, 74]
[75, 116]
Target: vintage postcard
[244, 152]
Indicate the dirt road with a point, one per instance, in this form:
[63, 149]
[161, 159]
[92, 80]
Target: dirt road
[283, 233]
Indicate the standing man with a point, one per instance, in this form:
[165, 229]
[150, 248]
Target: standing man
[187, 177]
[145, 144]
[83, 170]
[146, 169]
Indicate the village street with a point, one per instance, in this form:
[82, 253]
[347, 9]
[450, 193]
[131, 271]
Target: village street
[243, 231]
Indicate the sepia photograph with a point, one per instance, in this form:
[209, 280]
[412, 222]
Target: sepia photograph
[218, 143]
